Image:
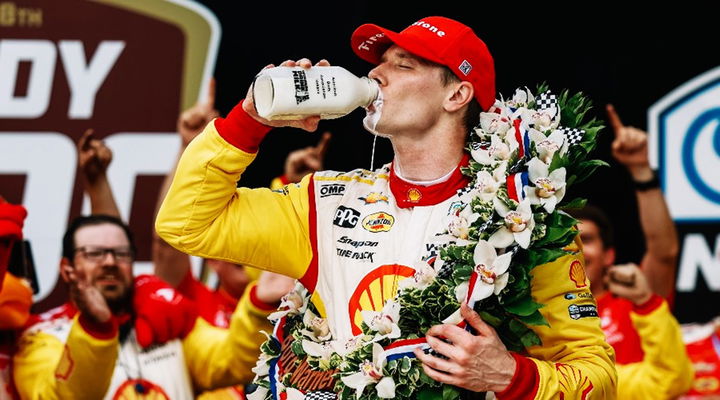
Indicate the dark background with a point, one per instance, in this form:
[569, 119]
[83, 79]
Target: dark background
[630, 58]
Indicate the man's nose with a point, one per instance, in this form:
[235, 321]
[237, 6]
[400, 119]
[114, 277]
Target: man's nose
[376, 74]
[109, 258]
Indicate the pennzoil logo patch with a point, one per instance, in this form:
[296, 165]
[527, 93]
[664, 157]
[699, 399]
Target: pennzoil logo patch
[378, 222]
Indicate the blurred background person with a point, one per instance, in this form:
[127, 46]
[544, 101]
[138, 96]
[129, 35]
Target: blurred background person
[633, 300]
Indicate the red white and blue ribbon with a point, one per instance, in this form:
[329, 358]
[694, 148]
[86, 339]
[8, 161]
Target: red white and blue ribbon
[274, 372]
[516, 185]
[522, 138]
[404, 348]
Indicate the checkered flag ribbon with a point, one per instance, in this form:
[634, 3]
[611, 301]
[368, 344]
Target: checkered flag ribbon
[320, 395]
[573, 135]
[546, 100]
[446, 271]
[465, 190]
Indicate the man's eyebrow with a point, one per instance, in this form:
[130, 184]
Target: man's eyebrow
[403, 54]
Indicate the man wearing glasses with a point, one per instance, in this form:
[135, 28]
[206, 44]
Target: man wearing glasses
[121, 336]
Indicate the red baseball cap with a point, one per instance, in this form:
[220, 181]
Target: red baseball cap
[440, 40]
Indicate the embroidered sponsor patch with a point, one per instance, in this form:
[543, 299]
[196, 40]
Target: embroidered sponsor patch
[346, 217]
[578, 311]
[465, 67]
[577, 274]
[332, 189]
[356, 255]
[65, 366]
[581, 295]
[378, 222]
[374, 197]
[357, 243]
[283, 190]
[414, 195]
[455, 208]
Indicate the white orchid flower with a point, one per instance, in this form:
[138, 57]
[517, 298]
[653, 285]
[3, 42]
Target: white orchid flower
[372, 372]
[346, 347]
[262, 365]
[322, 351]
[549, 188]
[459, 224]
[542, 120]
[461, 291]
[317, 328]
[547, 146]
[491, 270]
[521, 98]
[494, 123]
[293, 303]
[497, 152]
[385, 322]
[424, 275]
[488, 185]
[294, 394]
[518, 226]
[260, 393]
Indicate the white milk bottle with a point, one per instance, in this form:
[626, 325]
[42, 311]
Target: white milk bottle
[297, 93]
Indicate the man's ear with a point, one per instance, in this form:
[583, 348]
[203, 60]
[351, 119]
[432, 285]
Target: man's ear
[461, 94]
[609, 256]
[65, 268]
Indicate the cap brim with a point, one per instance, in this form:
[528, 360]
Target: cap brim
[370, 48]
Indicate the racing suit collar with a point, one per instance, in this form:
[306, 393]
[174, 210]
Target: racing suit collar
[412, 194]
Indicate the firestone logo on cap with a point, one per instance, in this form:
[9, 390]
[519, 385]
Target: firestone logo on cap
[430, 27]
[370, 41]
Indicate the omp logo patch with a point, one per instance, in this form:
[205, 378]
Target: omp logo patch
[333, 189]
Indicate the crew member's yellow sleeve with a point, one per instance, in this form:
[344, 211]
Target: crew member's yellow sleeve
[205, 215]
[218, 357]
[81, 368]
[665, 371]
[574, 360]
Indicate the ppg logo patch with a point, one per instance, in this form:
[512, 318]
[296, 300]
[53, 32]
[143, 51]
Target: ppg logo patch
[346, 217]
[684, 129]
[465, 67]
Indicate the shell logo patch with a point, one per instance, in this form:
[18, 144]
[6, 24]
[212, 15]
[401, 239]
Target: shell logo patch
[414, 195]
[378, 286]
[577, 274]
[65, 366]
[378, 222]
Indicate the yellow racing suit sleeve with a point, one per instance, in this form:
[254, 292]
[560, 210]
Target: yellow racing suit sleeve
[82, 367]
[574, 361]
[666, 370]
[218, 357]
[205, 215]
